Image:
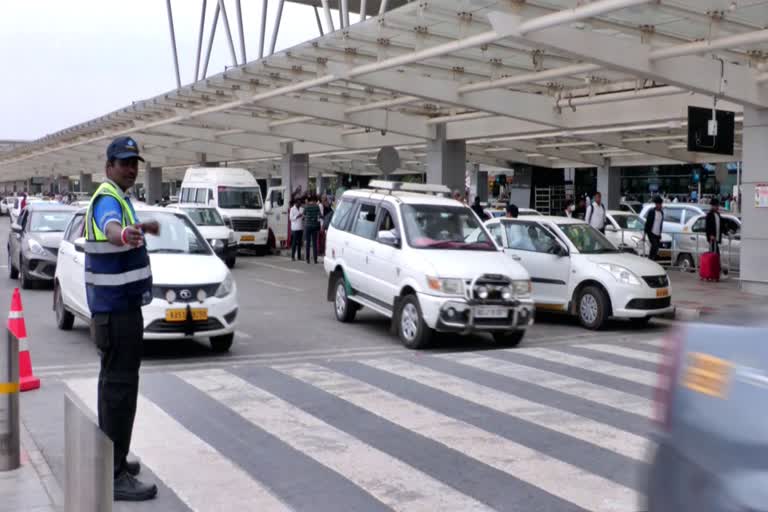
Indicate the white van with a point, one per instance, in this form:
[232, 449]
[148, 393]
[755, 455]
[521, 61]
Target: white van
[237, 196]
[277, 208]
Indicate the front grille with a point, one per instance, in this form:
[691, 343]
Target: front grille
[657, 281]
[163, 327]
[494, 283]
[159, 291]
[247, 224]
[649, 304]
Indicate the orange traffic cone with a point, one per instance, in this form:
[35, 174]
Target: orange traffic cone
[18, 328]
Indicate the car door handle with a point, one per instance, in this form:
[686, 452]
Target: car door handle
[693, 238]
[516, 258]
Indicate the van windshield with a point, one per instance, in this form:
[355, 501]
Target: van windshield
[245, 198]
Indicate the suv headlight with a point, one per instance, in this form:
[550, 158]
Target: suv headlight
[447, 286]
[521, 287]
[232, 238]
[225, 288]
[35, 247]
[621, 274]
[216, 243]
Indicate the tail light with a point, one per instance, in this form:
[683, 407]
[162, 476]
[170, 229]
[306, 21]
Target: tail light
[667, 374]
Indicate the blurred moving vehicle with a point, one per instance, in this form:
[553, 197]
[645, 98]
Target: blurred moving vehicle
[712, 440]
[575, 269]
[194, 294]
[627, 232]
[424, 261]
[692, 243]
[221, 237]
[33, 244]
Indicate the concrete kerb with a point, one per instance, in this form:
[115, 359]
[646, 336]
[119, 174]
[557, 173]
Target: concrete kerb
[42, 469]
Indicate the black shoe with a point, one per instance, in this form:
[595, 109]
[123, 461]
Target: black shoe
[134, 468]
[128, 488]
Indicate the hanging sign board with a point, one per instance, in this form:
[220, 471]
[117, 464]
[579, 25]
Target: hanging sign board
[761, 195]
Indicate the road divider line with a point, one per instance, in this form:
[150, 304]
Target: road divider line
[552, 475]
[276, 267]
[381, 475]
[186, 463]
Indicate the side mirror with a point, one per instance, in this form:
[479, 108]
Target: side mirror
[16, 228]
[388, 238]
[80, 244]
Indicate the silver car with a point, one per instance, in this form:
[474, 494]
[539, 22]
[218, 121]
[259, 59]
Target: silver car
[33, 243]
[712, 439]
[676, 215]
[691, 243]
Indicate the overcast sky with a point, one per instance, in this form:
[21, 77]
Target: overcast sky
[68, 61]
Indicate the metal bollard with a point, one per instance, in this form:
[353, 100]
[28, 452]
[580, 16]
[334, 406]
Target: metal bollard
[10, 440]
[88, 454]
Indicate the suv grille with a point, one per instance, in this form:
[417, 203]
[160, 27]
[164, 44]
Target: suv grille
[247, 224]
[493, 282]
[159, 291]
[657, 281]
[161, 326]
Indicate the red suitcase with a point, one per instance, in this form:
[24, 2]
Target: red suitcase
[709, 266]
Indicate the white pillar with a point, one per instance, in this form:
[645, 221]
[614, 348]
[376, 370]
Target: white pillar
[86, 182]
[478, 183]
[609, 185]
[153, 184]
[446, 161]
[294, 170]
[754, 230]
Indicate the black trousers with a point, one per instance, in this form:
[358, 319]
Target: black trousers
[120, 338]
[296, 237]
[655, 242]
[310, 234]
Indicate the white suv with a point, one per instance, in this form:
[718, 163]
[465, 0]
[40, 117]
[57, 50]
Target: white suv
[425, 261]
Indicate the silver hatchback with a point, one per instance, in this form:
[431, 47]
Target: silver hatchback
[691, 243]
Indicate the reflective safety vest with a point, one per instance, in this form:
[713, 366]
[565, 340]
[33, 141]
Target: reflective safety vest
[117, 278]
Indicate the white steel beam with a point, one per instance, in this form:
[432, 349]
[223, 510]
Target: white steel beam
[700, 47]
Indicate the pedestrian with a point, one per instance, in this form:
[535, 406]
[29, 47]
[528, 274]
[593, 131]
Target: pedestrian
[654, 225]
[118, 281]
[478, 209]
[296, 216]
[512, 211]
[23, 202]
[311, 225]
[596, 215]
[569, 208]
[581, 209]
[713, 225]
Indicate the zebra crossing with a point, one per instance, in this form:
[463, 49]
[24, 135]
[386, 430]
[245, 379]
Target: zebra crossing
[564, 428]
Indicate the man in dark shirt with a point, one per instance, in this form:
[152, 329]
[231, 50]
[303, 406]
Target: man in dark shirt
[713, 226]
[311, 225]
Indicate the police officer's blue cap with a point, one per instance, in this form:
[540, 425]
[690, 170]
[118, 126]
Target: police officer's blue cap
[123, 148]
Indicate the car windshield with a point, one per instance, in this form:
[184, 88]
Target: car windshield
[631, 222]
[245, 198]
[587, 239]
[177, 235]
[49, 222]
[204, 216]
[444, 227]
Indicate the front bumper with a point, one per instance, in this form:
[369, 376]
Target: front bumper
[455, 314]
[252, 238]
[222, 319]
[226, 253]
[40, 267]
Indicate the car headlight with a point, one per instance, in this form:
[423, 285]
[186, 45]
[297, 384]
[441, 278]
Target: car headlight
[225, 288]
[621, 274]
[232, 238]
[216, 243]
[521, 287]
[448, 286]
[35, 247]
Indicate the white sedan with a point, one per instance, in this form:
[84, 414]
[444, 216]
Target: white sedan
[627, 232]
[194, 294]
[575, 269]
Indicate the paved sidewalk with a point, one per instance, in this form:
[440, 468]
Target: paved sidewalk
[695, 298]
[32, 487]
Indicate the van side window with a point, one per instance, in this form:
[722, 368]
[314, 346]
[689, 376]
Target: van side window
[342, 214]
[365, 223]
[202, 195]
[184, 195]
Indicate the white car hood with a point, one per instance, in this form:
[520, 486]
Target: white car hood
[187, 269]
[470, 264]
[637, 264]
[214, 232]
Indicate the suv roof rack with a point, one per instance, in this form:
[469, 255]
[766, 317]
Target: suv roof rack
[399, 186]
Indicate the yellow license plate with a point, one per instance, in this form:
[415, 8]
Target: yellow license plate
[247, 238]
[180, 315]
[707, 374]
[662, 292]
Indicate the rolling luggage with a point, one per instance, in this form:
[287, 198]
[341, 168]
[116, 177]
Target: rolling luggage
[709, 266]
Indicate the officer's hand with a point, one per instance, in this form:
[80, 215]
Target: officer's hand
[152, 227]
[132, 236]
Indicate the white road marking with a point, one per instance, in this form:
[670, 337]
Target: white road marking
[559, 478]
[376, 472]
[626, 352]
[594, 365]
[272, 283]
[186, 463]
[276, 267]
[606, 436]
[555, 381]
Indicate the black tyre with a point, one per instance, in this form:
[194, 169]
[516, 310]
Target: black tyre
[411, 328]
[230, 262]
[685, 263]
[223, 343]
[64, 319]
[509, 338]
[13, 272]
[344, 308]
[592, 307]
[24, 281]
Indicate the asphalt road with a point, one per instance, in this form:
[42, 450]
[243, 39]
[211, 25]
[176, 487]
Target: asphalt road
[305, 413]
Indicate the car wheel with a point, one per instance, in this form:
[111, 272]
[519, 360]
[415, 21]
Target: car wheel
[24, 281]
[64, 319]
[342, 306]
[223, 343]
[685, 263]
[413, 331]
[230, 262]
[13, 272]
[592, 307]
[509, 338]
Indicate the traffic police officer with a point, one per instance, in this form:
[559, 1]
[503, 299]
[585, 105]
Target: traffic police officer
[118, 281]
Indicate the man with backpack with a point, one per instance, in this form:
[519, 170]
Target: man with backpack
[596, 214]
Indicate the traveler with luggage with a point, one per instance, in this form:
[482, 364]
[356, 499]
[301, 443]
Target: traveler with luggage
[709, 266]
